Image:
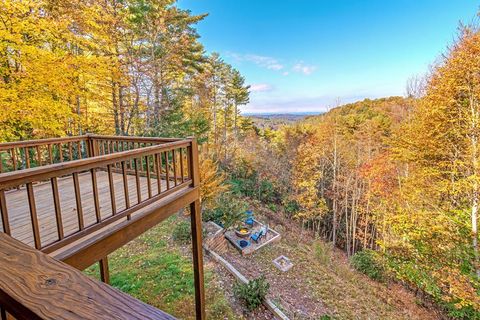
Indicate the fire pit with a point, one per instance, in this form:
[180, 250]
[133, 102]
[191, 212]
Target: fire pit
[243, 232]
[283, 263]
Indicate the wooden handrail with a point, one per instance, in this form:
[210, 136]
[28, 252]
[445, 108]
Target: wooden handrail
[134, 138]
[35, 286]
[38, 142]
[15, 178]
[21, 155]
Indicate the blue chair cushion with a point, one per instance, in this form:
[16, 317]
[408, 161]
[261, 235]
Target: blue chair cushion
[249, 221]
[257, 236]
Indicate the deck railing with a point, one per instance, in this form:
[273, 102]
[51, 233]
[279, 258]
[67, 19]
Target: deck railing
[35, 153]
[164, 166]
[27, 154]
[115, 186]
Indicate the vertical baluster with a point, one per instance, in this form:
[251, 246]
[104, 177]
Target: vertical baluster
[167, 171]
[189, 165]
[93, 173]
[58, 210]
[181, 165]
[125, 185]
[27, 156]
[70, 150]
[137, 179]
[132, 146]
[39, 156]
[14, 159]
[78, 200]
[174, 159]
[97, 146]
[149, 183]
[33, 215]
[117, 164]
[3, 210]
[158, 164]
[87, 146]
[1, 162]
[79, 149]
[60, 152]
[112, 189]
[50, 154]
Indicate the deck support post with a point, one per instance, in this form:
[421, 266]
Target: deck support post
[104, 270]
[196, 226]
[196, 222]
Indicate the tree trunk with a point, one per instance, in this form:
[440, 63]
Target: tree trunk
[475, 193]
[115, 108]
[335, 204]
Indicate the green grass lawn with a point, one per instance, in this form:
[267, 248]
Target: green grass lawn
[159, 271]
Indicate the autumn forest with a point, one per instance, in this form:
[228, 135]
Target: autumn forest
[394, 183]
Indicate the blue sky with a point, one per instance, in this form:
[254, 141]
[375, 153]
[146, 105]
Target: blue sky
[306, 55]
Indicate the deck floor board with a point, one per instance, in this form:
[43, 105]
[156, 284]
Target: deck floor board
[19, 212]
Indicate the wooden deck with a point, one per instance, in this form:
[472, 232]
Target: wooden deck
[78, 199]
[19, 212]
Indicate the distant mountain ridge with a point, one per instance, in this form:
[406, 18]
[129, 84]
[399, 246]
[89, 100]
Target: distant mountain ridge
[281, 114]
[275, 120]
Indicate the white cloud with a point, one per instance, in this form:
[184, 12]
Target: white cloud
[274, 64]
[303, 68]
[318, 104]
[260, 87]
[262, 61]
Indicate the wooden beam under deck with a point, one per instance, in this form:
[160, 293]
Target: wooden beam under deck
[90, 249]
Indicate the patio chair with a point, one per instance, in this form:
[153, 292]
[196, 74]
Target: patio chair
[258, 235]
[249, 221]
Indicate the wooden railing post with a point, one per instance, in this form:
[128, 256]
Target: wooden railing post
[91, 146]
[196, 225]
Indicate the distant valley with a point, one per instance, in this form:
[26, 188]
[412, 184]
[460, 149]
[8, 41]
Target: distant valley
[275, 120]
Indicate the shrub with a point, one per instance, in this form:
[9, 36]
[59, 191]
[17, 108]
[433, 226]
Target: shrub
[323, 252]
[272, 207]
[228, 211]
[181, 232]
[253, 292]
[291, 207]
[367, 262]
[212, 215]
[455, 292]
[266, 192]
